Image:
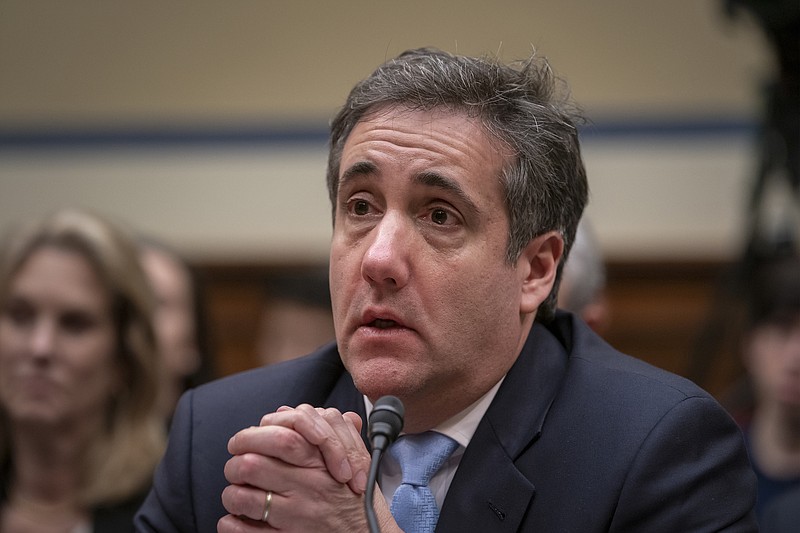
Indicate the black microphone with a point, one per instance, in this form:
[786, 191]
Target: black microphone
[385, 424]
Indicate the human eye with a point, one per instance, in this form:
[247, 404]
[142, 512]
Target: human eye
[443, 216]
[359, 207]
[20, 312]
[77, 322]
[440, 217]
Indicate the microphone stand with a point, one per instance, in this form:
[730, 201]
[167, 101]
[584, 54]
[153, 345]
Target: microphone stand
[369, 495]
[385, 424]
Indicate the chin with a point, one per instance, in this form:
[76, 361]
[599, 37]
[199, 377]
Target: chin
[375, 380]
[376, 386]
[36, 415]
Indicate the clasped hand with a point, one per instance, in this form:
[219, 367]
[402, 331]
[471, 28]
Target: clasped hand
[312, 461]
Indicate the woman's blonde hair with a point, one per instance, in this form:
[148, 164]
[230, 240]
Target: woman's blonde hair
[120, 463]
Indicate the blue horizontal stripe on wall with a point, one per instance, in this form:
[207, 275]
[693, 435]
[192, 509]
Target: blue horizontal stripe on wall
[669, 128]
[165, 137]
[157, 137]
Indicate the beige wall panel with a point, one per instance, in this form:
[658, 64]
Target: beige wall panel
[124, 62]
[120, 66]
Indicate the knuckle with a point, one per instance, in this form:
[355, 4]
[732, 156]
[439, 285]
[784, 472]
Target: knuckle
[286, 438]
[305, 408]
[331, 413]
[248, 466]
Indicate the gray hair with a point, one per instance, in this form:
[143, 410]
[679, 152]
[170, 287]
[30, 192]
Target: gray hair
[519, 105]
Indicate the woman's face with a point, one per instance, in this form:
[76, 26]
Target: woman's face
[57, 341]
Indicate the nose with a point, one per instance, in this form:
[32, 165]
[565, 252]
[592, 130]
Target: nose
[42, 339]
[386, 261]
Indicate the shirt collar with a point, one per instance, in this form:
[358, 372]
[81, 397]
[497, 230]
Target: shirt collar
[462, 426]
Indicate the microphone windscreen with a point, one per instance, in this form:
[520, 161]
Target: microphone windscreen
[386, 418]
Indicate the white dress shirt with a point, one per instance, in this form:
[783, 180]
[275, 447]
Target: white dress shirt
[460, 428]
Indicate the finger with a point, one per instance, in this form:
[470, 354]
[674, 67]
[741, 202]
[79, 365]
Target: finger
[320, 431]
[330, 436]
[297, 418]
[360, 461]
[340, 425]
[338, 437]
[276, 441]
[350, 439]
[318, 503]
[311, 501]
[300, 419]
[234, 524]
[356, 420]
[268, 473]
[247, 501]
[354, 424]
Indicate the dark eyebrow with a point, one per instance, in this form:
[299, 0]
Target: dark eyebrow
[428, 179]
[361, 168]
[434, 179]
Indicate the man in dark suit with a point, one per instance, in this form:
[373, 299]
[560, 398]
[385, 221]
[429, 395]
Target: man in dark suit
[457, 185]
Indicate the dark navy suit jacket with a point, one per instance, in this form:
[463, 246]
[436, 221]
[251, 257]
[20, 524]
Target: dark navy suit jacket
[579, 438]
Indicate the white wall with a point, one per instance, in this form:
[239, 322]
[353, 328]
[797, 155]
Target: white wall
[677, 199]
[83, 67]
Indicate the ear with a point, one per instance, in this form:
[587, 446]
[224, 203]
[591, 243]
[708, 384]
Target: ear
[538, 265]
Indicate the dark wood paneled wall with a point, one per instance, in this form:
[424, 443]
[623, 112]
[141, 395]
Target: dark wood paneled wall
[661, 312]
[674, 315]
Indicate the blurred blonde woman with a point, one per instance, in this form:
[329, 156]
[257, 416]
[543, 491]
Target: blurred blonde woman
[80, 433]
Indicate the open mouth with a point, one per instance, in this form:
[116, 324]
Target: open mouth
[382, 323]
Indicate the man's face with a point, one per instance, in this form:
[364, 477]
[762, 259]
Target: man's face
[425, 305]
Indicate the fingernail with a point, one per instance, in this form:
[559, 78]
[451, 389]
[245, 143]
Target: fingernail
[347, 473]
[361, 480]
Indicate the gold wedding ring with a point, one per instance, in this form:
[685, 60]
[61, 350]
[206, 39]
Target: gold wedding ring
[267, 506]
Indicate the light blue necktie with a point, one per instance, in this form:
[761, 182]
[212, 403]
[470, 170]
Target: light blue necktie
[420, 456]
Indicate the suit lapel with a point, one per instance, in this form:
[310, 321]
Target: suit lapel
[488, 492]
